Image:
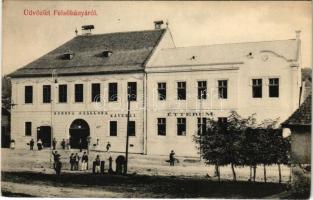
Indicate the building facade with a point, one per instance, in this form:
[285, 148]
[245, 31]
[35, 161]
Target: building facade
[81, 89]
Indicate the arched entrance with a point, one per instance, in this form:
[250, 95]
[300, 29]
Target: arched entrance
[79, 130]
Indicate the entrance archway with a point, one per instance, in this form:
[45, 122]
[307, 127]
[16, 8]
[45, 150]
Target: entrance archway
[79, 131]
[44, 134]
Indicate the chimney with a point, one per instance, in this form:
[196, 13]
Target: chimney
[86, 29]
[298, 32]
[158, 24]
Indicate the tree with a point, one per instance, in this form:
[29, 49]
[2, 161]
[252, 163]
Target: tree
[281, 149]
[222, 142]
[212, 144]
[251, 150]
[267, 137]
[6, 92]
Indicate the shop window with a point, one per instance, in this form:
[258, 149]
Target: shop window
[132, 128]
[161, 126]
[201, 124]
[181, 126]
[28, 128]
[113, 128]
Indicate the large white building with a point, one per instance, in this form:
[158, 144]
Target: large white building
[80, 89]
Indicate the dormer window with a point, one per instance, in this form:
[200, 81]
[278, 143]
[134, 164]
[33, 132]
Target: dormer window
[107, 53]
[68, 55]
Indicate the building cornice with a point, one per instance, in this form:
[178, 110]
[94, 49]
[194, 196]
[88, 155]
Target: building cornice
[193, 68]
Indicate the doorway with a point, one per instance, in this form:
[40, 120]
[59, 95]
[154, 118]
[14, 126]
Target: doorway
[79, 131]
[44, 134]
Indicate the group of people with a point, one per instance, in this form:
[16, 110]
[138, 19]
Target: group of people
[64, 144]
[79, 162]
[32, 143]
[54, 143]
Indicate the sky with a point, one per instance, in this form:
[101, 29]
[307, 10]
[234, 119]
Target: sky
[26, 38]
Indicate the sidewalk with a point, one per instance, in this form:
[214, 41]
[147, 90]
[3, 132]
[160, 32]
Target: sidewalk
[39, 161]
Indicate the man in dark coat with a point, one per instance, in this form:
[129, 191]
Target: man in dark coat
[54, 143]
[31, 144]
[72, 161]
[172, 158]
[57, 163]
[63, 144]
[108, 147]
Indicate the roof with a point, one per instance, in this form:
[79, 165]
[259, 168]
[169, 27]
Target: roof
[130, 52]
[302, 116]
[224, 53]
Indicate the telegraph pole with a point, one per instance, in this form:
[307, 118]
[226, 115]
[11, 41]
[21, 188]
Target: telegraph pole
[127, 132]
[51, 110]
[201, 122]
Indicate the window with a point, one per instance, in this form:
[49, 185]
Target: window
[113, 128]
[257, 88]
[112, 91]
[62, 93]
[132, 128]
[132, 91]
[28, 94]
[28, 128]
[274, 87]
[181, 126]
[162, 91]
[181, 90]
[46, 93]
[201, 125]
[222, 89]
[79, 92]
[202, 89]
[161, 126]
[95, 92]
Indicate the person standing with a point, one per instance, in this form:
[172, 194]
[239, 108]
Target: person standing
[84, 161]
[63, 144]
[172, 158]
[72, 161]
[54, 143]
[39, 144]
[108, 147]
[57, 163]
[31, 144]
[97, 164]
[68, 144]
[76, 161]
